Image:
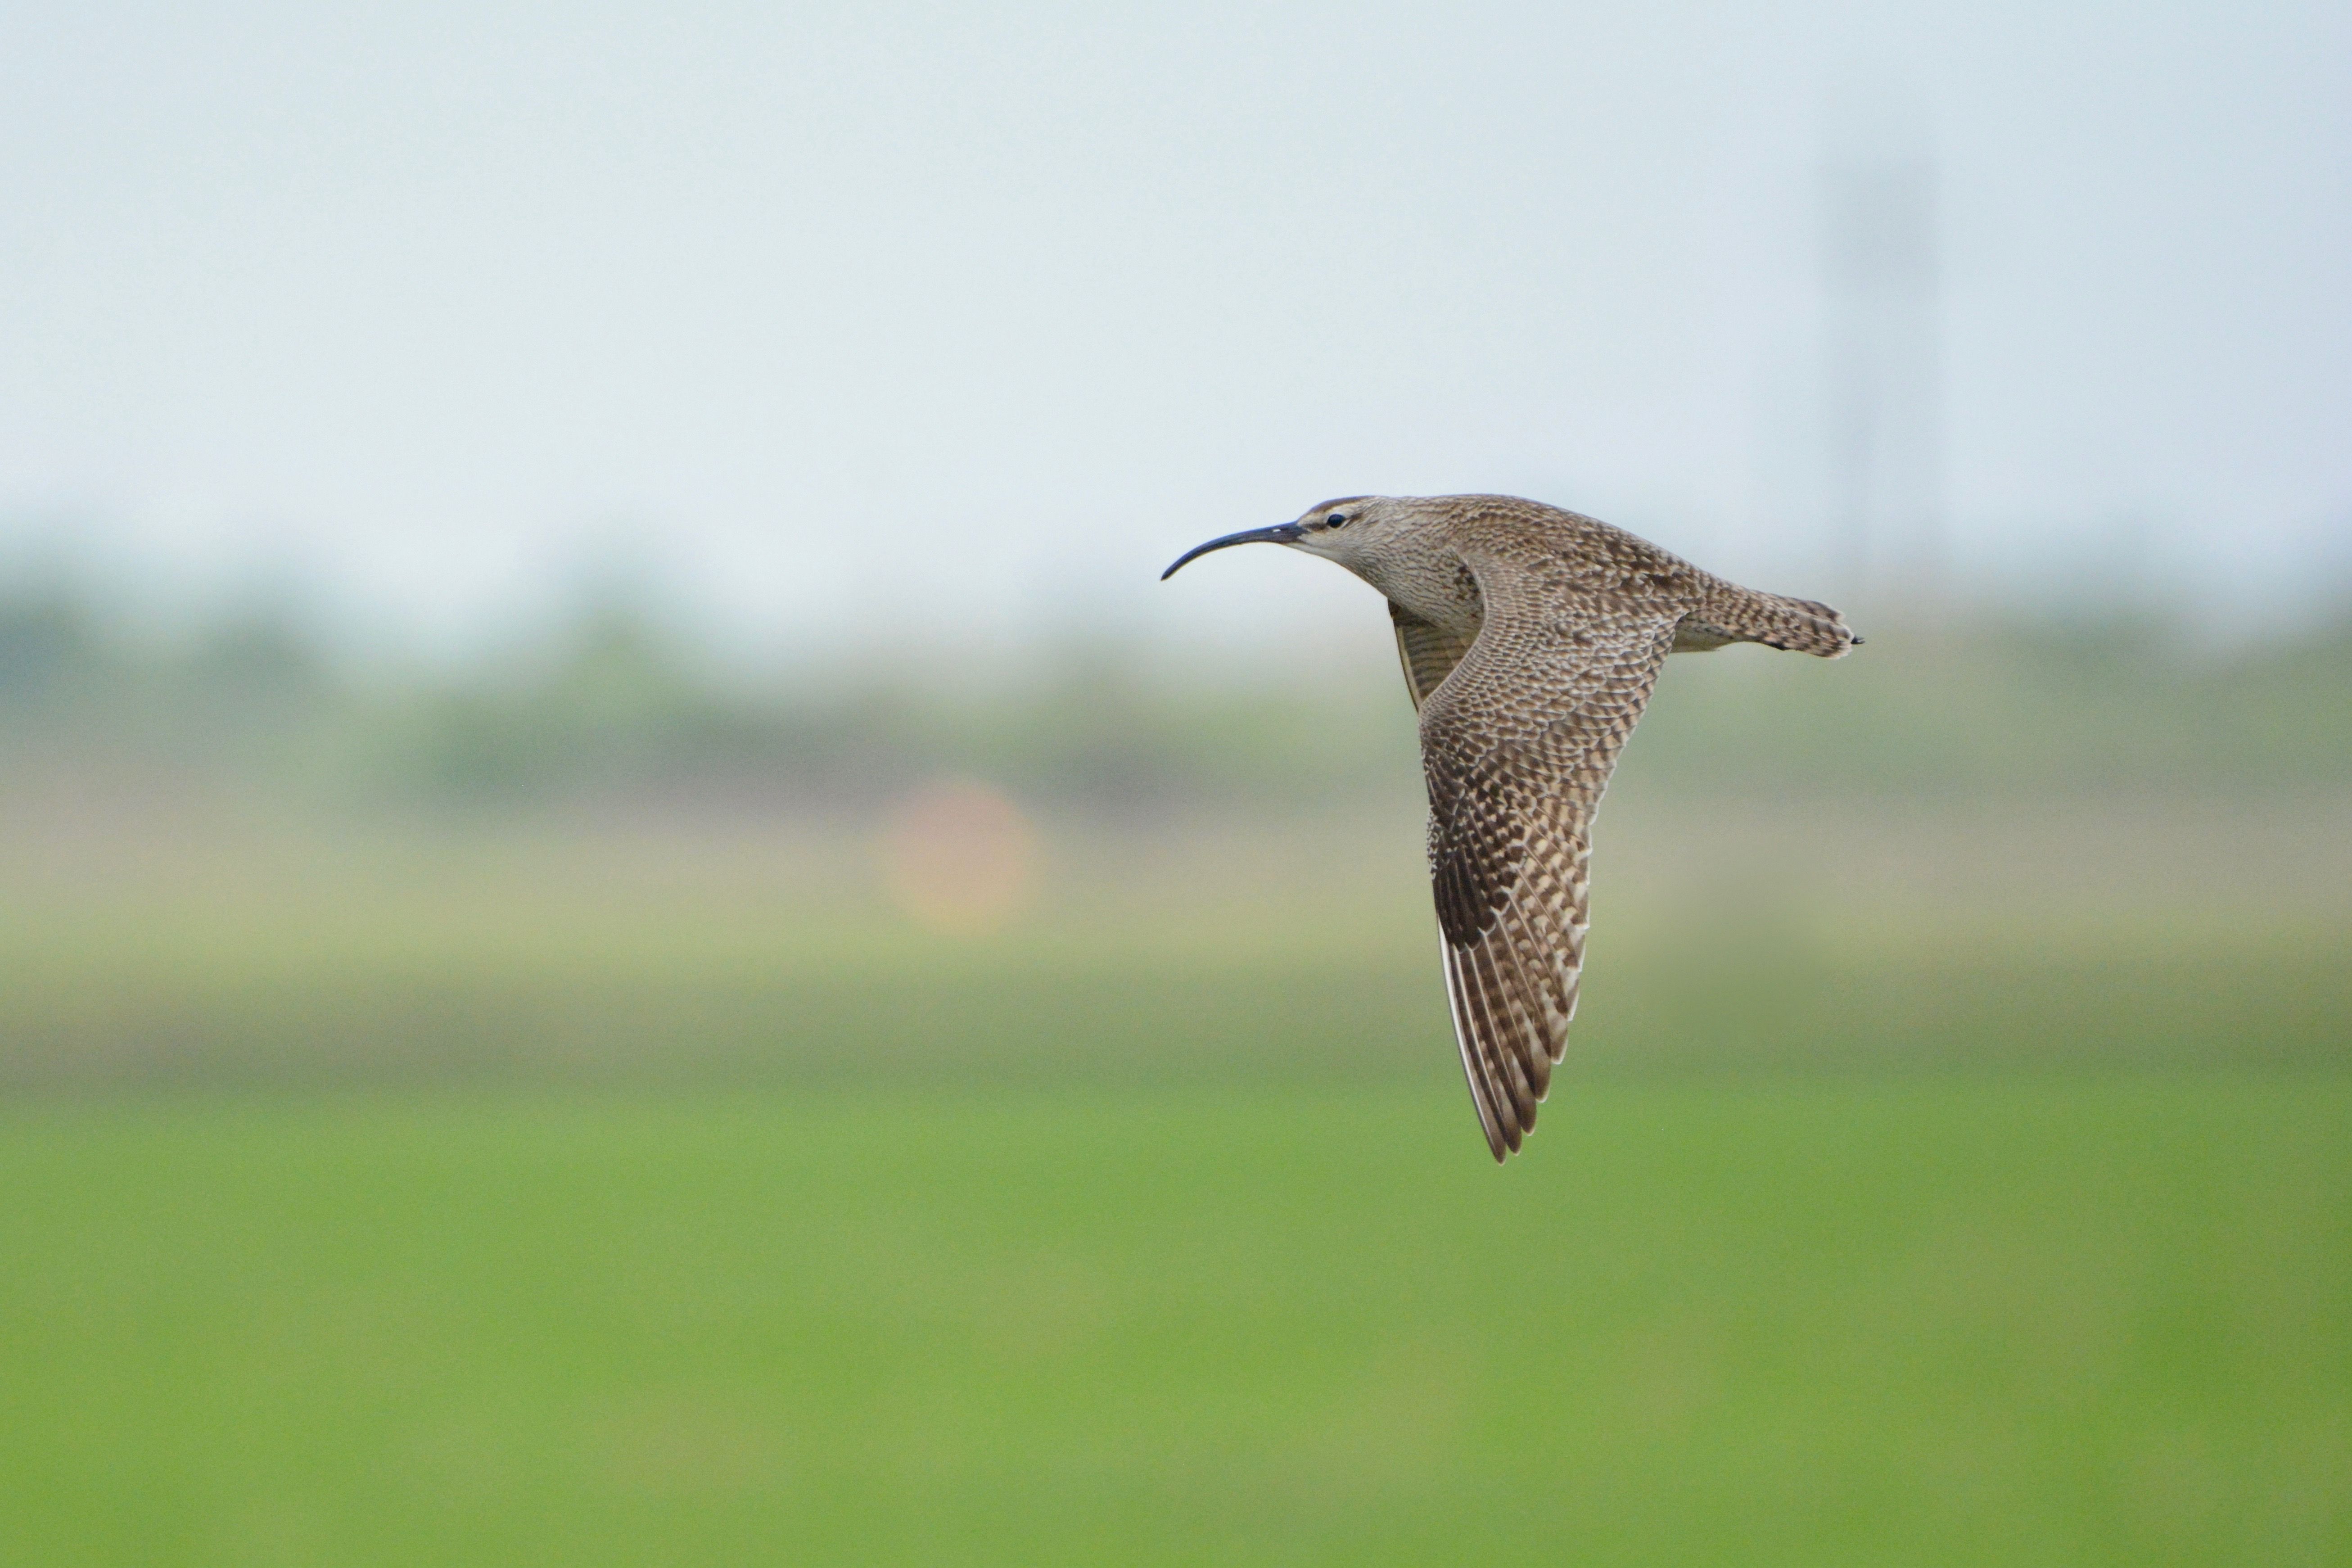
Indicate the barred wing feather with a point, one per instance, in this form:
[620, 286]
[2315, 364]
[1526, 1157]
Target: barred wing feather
[1518, 749]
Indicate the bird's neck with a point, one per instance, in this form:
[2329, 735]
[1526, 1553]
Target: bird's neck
[1435, 586]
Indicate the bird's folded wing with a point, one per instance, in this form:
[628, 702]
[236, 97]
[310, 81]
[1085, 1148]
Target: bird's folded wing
[1517, 750]
[1428, 652]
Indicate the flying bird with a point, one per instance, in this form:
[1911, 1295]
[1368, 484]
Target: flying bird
[1532, 639]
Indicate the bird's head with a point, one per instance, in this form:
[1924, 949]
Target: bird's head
[1343, 530]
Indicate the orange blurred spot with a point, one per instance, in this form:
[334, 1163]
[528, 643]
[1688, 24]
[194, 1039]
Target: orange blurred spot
[960, 858]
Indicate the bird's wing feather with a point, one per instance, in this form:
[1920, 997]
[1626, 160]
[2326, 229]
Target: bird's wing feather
[1429, 652]
[1517, 750]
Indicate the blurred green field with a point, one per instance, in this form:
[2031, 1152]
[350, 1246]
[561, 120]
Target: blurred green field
[1924, 1186]
[2098, 1318]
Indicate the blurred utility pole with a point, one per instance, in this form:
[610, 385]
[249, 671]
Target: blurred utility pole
[1882, 373]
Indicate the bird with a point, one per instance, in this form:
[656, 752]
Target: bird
[1531, 639]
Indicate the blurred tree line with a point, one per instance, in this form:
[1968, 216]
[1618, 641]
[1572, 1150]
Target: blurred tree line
[614, 710]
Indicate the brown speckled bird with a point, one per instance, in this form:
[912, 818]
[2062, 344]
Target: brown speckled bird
[1532, 639]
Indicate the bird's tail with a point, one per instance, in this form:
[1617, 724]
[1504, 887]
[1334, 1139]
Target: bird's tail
[1799, 625]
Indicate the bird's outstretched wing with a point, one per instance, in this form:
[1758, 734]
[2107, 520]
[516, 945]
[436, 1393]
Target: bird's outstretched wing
[1518, 749]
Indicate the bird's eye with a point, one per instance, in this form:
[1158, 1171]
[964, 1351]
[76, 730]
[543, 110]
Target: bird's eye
[1337, 519]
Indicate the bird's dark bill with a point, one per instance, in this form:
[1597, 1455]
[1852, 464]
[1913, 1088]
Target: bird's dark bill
[1280, 533]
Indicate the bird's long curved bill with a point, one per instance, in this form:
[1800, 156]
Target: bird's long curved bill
[1280, 533]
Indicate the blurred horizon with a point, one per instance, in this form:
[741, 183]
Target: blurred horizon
[621, 700]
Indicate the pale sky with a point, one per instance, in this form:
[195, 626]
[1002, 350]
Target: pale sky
[844, 318]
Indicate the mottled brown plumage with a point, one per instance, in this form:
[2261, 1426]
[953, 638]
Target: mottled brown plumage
[1532, 639]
